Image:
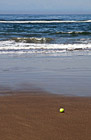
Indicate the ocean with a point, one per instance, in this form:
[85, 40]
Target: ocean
[52, 52]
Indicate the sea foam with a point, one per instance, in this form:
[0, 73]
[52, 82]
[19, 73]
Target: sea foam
[17, 47]
[46, 21]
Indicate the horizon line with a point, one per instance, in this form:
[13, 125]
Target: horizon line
[45, 13]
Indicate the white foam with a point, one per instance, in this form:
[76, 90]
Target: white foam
[41, 21]
[13, 47]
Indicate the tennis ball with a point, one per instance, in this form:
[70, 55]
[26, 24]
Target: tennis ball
[61, 110]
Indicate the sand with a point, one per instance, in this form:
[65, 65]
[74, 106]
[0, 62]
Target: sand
[36, 117]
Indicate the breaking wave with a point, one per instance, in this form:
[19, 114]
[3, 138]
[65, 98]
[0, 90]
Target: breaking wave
[20, 47]
[33, 40]
[75, 33]
[47, 21]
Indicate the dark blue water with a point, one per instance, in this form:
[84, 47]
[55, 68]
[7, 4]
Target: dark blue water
[30, 33]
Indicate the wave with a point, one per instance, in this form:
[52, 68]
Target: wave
[47, 21]
[74, 33]
[20, 47]
[33, 40]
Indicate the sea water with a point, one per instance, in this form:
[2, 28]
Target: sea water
[51, 52]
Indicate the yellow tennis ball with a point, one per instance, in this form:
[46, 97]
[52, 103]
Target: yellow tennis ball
[61, 110]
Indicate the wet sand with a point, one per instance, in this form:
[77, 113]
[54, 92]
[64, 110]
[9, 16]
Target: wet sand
[35, 116]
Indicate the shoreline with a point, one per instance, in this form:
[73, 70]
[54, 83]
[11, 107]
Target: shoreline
[36, 116]
[68, 75]
[36, 91]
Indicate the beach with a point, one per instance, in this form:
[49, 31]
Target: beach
[36, 116]
[45, 65]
